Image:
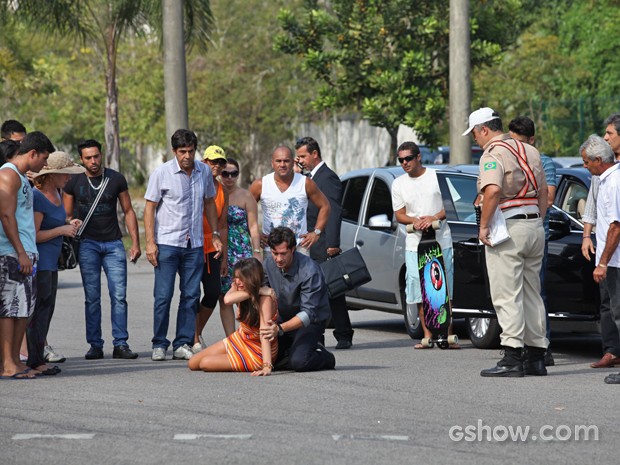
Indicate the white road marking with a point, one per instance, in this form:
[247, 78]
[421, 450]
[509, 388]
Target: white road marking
[23, 437]
[191, 437]
[382, 437]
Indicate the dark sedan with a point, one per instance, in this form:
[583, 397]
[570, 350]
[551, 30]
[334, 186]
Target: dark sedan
[368, 223]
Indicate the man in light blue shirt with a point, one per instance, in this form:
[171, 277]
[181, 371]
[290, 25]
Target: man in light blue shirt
[176, 195]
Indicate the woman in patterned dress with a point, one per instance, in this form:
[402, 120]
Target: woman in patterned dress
[244, 350]
[243, 231]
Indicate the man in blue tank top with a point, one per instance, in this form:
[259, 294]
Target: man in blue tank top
[18, 251]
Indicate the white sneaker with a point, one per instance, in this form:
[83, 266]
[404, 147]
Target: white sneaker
[182, 353]
[159, 354]
[51, 356]
[197, 348]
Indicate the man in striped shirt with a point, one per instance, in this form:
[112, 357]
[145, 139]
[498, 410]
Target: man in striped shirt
[175, 197]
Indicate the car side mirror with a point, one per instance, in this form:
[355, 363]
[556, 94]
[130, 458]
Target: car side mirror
[380, 222]
[559, 224]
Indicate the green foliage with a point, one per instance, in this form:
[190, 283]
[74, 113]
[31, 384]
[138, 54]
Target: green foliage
[561, 73]
[389, 58]
[55, 87]
[58, 87]
[100, 25]
[244, 96]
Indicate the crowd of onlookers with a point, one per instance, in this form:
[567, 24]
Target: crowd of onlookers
[202, 226]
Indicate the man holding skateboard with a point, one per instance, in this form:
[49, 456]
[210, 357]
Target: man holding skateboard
[512, 180]
[416, 200]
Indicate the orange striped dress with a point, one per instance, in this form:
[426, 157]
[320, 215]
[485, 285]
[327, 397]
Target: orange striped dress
[244, 351]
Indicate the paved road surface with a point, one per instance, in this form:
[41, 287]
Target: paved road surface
[384, 404]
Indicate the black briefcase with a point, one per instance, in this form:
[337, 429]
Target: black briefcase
[345, 272]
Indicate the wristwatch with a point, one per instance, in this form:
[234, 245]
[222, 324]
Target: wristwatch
[317, 231]
[216, 233]
[280, 330]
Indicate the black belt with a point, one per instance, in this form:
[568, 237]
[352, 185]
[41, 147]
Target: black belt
[525, 216]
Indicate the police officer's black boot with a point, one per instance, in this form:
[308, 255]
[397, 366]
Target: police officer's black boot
[534, 361]
[511, 366]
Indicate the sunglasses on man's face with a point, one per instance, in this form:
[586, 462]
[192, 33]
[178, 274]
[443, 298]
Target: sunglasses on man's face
[407, 158]
[230, 174]
[218, 161]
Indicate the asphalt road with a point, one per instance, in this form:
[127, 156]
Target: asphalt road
[386, 403]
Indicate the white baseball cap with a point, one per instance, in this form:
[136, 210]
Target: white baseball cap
[481, 115]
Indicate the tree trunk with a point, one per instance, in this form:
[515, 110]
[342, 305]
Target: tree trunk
[175, 79]
[460, 82]
[112, 131]
[393, 132]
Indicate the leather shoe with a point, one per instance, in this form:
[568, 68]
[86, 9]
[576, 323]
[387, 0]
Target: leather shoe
[94, 353]
[124, 352]
[344, 344]
[549, 362]
[534, 368]
[510, 366]
[607, 361]
[330, 360]
[612, 379]
[502, 371]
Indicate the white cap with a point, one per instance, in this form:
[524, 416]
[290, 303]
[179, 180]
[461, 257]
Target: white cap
[481, 115]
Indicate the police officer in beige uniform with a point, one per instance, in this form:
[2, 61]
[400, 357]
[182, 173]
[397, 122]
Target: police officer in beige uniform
[512, 179]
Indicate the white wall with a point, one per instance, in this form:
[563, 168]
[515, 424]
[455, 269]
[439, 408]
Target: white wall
[348, 142]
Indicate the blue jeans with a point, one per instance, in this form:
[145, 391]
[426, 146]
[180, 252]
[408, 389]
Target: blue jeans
[111, 256]
[188, 263]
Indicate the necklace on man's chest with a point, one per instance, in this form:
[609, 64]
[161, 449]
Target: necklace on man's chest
[91, 184]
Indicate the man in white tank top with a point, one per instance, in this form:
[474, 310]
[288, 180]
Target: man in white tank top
[284, 195]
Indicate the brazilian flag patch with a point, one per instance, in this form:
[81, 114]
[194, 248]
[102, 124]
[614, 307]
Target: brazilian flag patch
[492, 165]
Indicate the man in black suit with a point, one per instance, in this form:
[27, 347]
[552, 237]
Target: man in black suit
[328, 245]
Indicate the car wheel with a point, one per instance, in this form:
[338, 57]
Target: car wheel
[412, 320]
[484, 332]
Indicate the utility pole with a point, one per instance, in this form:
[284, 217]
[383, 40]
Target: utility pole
[460, 82]
[175, 77]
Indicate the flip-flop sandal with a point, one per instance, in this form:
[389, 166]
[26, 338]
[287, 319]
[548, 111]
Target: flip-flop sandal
[36, 372]
[51, 371]
[19, 375]
[454, 347]
[420, 346]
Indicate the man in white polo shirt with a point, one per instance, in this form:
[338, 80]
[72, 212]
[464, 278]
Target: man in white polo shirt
[598, 158]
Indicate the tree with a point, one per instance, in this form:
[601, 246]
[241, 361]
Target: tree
[53, 86]
[389, 58]
[558, 73]
[100, 24]
[243, 95]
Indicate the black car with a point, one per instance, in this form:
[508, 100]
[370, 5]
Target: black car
[369, 224]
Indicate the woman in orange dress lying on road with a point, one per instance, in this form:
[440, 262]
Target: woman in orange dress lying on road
[244, 350]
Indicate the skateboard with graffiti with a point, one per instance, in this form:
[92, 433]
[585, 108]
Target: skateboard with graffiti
[435, 295]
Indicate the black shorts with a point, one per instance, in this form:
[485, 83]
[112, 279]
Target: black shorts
[211, 283]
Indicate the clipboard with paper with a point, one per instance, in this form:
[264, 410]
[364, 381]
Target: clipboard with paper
[498, 232]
